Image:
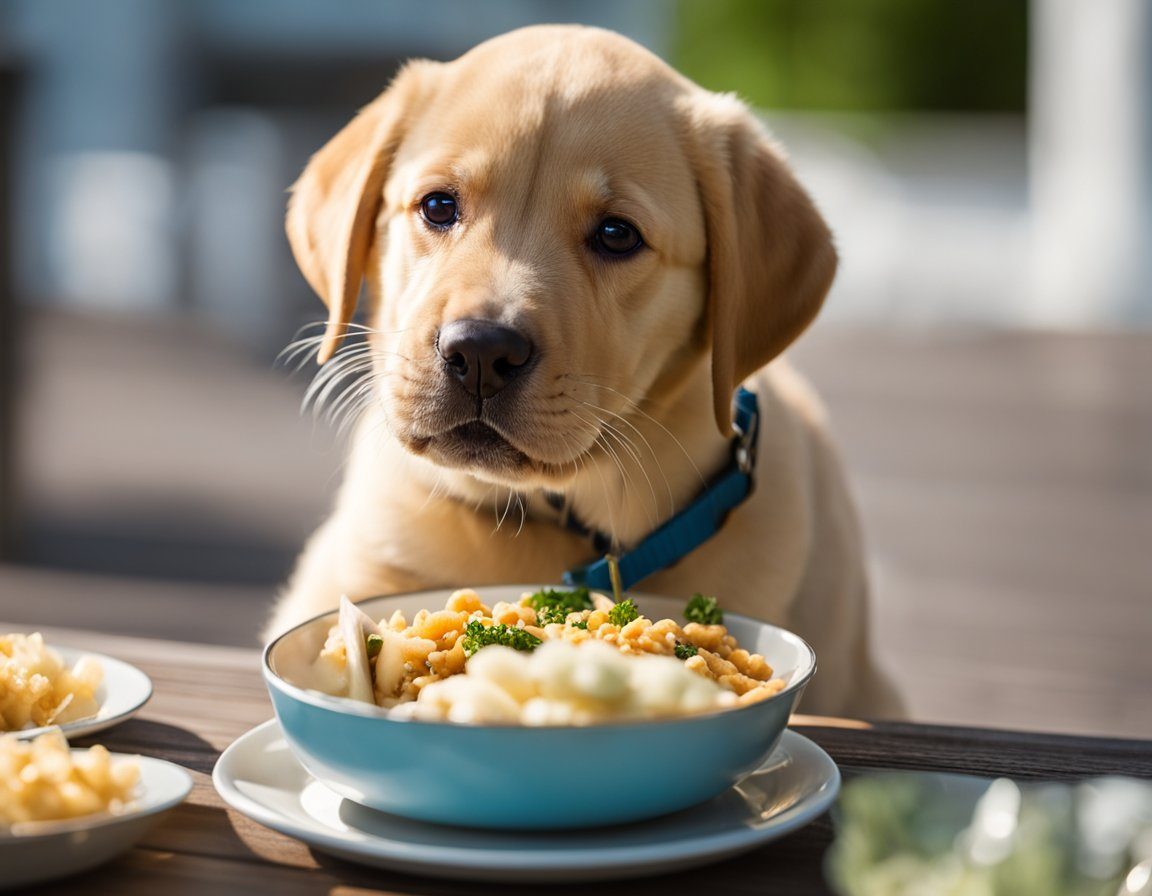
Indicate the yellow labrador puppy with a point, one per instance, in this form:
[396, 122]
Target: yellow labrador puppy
[574, 257]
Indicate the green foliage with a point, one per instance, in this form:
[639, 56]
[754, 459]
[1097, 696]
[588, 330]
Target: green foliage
[912, 833]
[858, 55]
[554, 606]
[704, 610]
[683, 650]
[623, 613]
[476, 636]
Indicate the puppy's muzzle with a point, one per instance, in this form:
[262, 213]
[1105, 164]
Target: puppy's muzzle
[483, 356]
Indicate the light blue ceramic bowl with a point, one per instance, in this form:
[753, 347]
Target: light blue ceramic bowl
[502, 776]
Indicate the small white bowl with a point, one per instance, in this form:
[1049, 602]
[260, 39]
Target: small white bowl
[46, 850]
[509, 777]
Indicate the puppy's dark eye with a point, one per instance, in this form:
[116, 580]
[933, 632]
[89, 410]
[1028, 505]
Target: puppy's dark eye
[617, 238]
[440, 209]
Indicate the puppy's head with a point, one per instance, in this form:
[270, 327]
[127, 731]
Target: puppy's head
[556, 230]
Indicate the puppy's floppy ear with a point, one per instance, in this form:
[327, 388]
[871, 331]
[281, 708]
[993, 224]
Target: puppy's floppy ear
[332, 213]
[770, 255]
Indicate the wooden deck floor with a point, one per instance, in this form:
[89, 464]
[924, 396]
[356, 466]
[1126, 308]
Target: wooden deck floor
[1005, 481]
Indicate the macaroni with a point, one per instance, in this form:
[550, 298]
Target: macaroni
[37, 688]
[586, 668]
[561, 683]
[43, 780]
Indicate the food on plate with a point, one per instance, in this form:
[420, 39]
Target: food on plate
[43, 780]
[553, 657]
[38, 688]
[704, 610]
[563, 683]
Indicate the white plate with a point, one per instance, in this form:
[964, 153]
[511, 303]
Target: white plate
[47, 850]
[121, 694]
[259, 777]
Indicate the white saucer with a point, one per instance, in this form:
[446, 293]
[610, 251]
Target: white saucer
[47, 850]
[258, 776]
[124, 690]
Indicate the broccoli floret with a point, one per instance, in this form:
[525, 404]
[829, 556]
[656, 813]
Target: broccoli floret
[703, 610]
[476, 636]
[554, 606]
[683, 650]
[623, 613]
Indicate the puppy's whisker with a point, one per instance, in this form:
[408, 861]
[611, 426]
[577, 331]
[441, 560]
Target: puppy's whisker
[634, 454]
[344, 412]
[297, 352]
[324, 388]
[349, 356]
[501, 515]
[604, 415]
[435, 492]
[344, 375]
[303, 347]
[634, 407]
[342, 389]
[614, 455]
[608, 501]
[593, 431]
[520, 505]
[513, 499]
[307, 345]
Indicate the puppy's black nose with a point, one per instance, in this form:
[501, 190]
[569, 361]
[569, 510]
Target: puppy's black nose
[484, 356]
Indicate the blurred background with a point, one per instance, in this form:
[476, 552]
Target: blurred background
[985, 352]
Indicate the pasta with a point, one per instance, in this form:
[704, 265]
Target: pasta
[591, 663]
[37, 688]
[43, 780]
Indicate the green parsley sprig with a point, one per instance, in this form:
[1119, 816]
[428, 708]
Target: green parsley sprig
[476, 636]
[552, 605]
[703, 610]
[623, 613]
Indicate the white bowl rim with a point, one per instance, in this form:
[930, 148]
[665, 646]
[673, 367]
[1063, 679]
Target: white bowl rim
[805, 669]
[164, 784]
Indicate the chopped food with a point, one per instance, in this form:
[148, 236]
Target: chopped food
[552, 605]
[477, 635]
[704, 610]
[623, 613]
[396, 664]
[43, 780]
[37, 687]
[564, 683]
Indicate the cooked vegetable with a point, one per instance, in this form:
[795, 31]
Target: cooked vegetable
[554, 606]
[37, 686]
[703, 610]
[476, 635]
[623, 613]
[399, 662]
[356, 626]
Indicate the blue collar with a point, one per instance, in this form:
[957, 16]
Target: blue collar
[693, 525]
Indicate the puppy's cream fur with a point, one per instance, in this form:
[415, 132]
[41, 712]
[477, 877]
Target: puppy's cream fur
[625, 410]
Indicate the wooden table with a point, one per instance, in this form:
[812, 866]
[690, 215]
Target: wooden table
[207, 696]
